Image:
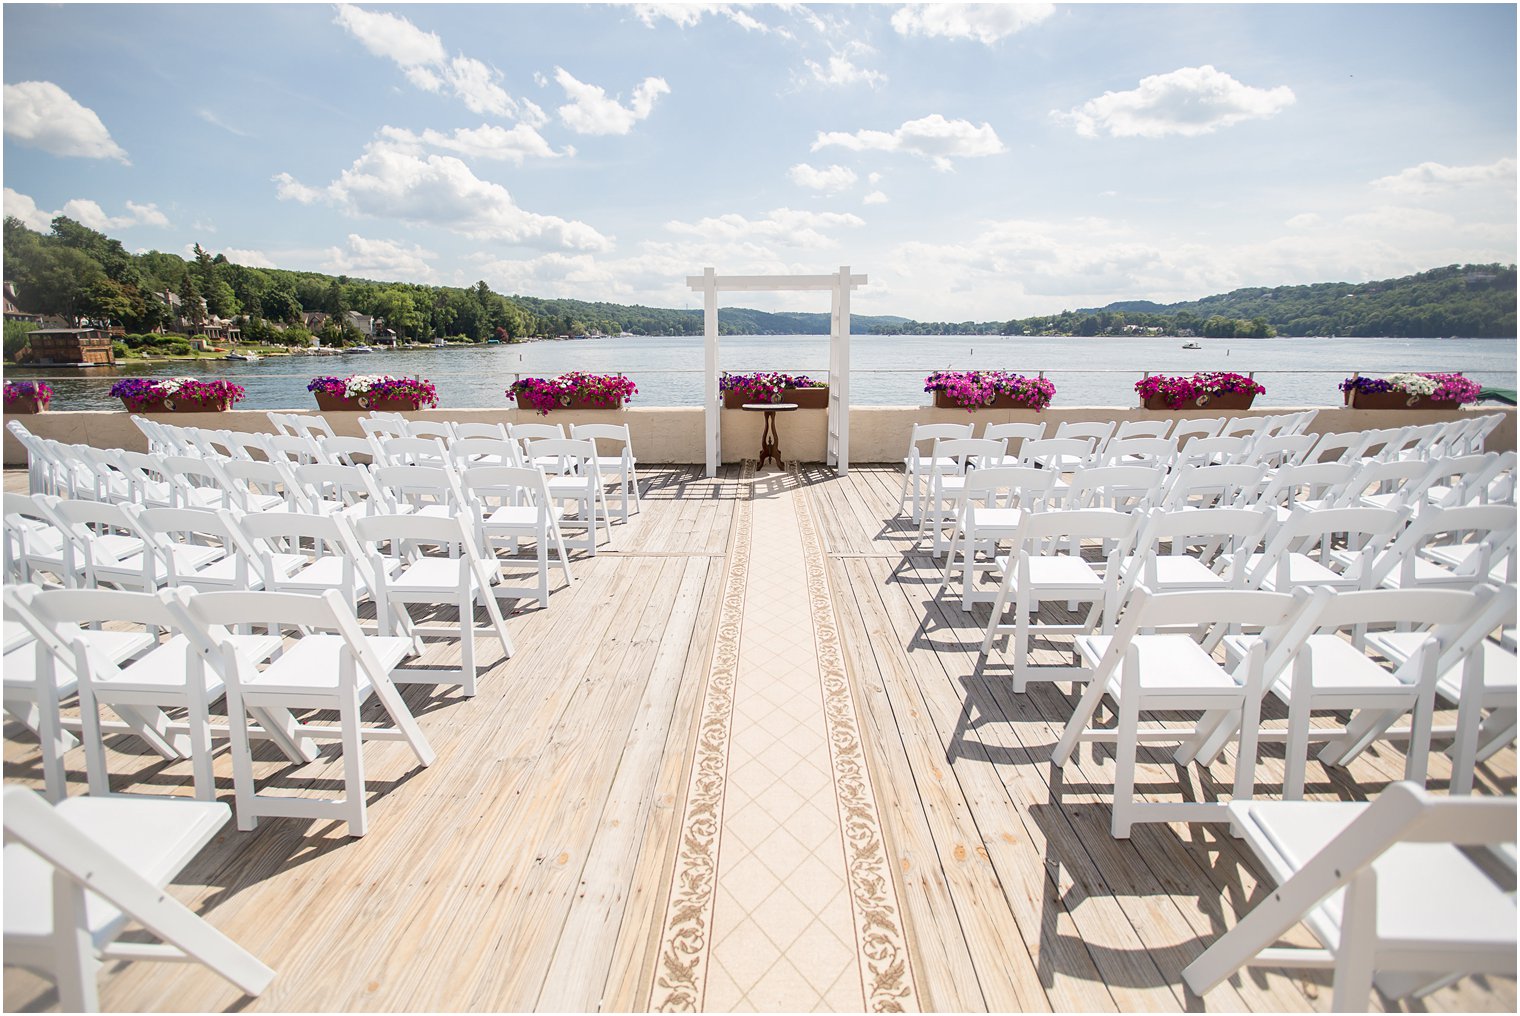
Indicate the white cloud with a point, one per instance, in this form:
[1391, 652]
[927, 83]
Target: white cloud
[381, 259]
[986, 23]
[781, 225]
[830, 180]
[216, 121]
[391, 181]
[874, 198]
[484, 142]
[842, 71]
[427, 65]
[932, 137]
[39, 114]
[1303, 221]
[1189, 101]
[687, 15]
[248, 258]
[83, 211]
[1433, 177]
[590, 111]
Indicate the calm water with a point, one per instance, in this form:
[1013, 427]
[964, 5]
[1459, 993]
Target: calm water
[885, 370]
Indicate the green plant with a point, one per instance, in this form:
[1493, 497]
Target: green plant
[16, 333]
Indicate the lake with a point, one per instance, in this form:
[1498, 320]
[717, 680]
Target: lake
[885, 369]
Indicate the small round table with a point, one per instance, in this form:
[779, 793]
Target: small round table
[770, 443]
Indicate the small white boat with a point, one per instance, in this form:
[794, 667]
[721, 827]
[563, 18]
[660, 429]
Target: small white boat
[246, 357]
[1191, 345]
[358, 349]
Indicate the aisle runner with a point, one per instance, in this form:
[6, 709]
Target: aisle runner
[782, 897]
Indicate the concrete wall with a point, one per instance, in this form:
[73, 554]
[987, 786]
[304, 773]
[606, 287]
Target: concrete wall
[877, 433]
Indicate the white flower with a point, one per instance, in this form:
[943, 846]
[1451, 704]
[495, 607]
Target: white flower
[359, 384]
[1413, 384]
[172, 385]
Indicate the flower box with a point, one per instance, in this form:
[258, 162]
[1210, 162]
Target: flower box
[1216, 391]
[802, 398]
[767, 386]
[372, 393]
[988, 389]
[1409, 391]
[176, 395]
[1219, 401]
[27, 397]
[575, 390]
[367, 404]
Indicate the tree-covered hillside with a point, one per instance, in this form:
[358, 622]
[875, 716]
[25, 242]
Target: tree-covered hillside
[1472, 301]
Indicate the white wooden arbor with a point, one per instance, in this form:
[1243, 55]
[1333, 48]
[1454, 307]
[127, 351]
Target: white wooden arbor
[710, 284]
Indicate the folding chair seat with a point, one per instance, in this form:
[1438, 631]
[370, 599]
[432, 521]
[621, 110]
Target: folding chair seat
[1155, 452]
[1393, 484]
[425, 491]
[993, 504]
[177, 536]
[309, 553]
[332, 665]
[347, 451]
[1457, 480]
[259, 486]
[1176, 671]
[919, 466]
[1227, 486]
[1450, 548]
[196, 482]
[410, 451]
[1474, 671]
[171, 675]
[1386, 888]
[1010, 432]
[35, 542]
[456, 575]
[947, 483]
[511, 504]
[618, 469]
[1048, 564]
[1331, 673]
[575, 478]
[80, 873]
[1122, 488]
[1208, 549]
[1348, 541]
[108, 544]
[346, 490]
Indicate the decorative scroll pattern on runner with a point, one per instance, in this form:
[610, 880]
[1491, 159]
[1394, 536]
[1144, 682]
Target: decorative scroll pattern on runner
[687, 936]
[886, 974]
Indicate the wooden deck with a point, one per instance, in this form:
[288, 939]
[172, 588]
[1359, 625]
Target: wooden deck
[531, 866]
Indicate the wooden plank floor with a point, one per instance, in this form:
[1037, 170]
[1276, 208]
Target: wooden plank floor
[529, 867]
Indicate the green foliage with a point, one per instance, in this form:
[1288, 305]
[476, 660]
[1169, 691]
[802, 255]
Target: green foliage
[15, 337]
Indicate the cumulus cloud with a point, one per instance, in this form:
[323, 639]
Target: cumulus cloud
[425, 62]
[687, 15]
[384, 259]
[247, 257]
[781, 225]
[396, 181]
[841, 70]
[39, 114]
[1434, 178]
[874, 198]
[590, 111]
[1302, 221]
[82, 210]
[830, 180]
[932, 137]
[986, 23]
[484, 142]
[1188, 101]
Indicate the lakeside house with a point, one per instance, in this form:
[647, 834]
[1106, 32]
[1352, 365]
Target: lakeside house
[70, 347]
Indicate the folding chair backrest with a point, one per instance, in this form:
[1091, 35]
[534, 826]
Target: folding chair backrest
[292, 448]
[310, 426]
[535, 431]
[1353, 608]
[214, 614]
[281, 423]
[492, 485]
[247, 446]
[1461, 479]
[1483, 426]
[1009, 487]
[1100, 432]
[383, 427]
[413, 531]
[1045, 532]
[1214, 451]
[1188, 430]
[411, 451]
[418, 486]
[250, 477]
[1407, 479]
[324, 482]
[1278, 450]
[1011, 432]
[1376, 443]
[197, 527]
[570, 456]
[1243, 426]
[1212, 486]
[1142, 428]
[467, 452]
[1122, 488]
[194, 480]
[347, 451]
[1156, 452]
[465, 431]
[1489, 529]
[431, 429]
[1336, 447]
[615, 432]
[964, 452]
[1054, 449]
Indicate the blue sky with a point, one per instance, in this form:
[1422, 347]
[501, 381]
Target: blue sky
[975, 161]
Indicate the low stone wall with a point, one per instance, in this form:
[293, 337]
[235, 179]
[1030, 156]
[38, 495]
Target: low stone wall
[877, 433]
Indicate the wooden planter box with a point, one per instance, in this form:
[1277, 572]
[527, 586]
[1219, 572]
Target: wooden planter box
[1222, 402]
[1000, 401]
[174, 405]
[339, 404]
[25, 407]
[1395, 400]
[574, 402]
[802, 398]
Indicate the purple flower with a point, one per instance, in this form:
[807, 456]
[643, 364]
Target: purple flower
[17, 391]
[764, 386]
[138, 391]
[544, 394]
[1179, 390]
[973, 388]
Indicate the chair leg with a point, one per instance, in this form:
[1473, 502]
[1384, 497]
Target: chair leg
[1020, 645]
[1296, 757]
[1352, 980]
[77, 968]
[1126, 751]
[353, 766]
[242, 760]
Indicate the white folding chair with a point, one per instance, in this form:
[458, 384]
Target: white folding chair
[510, 504]
[1450, 548]
[993, 504]
[1009, 433]
[1459, 479]
[1385, 888]
[576, 478]
[108, 544]
[617, 469]
[455, 575]
[35, 542]
[178, 535]
[79, 874]
[309, 553]
[332, 665]
[1310, 485]
[1394, 484]
[522, 433]
[1156, 452]
[493, 431]
[1172, 671]
[918, 467]
[430, 491]
[410, 451]
[1348, 540]
[381, 427]
[1189, 429]
[1048, 564]
[1122, 488]
[1224, 486]
[196, 482]
[347, 451]
[344, 490]
[469, 452]
[1207, 549]
[260, 486]
[954, 458]
[1142, 428]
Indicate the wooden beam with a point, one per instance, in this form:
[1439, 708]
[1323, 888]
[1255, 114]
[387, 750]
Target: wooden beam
[778, 283]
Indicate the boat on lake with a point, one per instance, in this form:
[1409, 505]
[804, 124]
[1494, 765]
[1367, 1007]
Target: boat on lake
[359, 349]
[1191, 345]
[245, 357]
